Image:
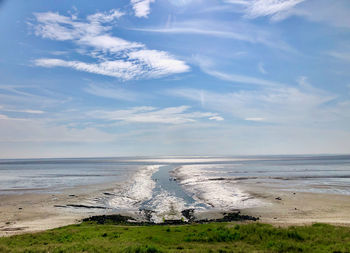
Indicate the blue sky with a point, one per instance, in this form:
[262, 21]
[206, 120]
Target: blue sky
[174, 77]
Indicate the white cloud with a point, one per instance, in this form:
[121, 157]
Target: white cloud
[273, 8]
[142, 7]
[112, 56]
[160, 63]
[277, 9]
[57, 27]
[254, 119]
[334, 13]
[107, 43]
[119, 69]
[143, 63]
[147, 114]
[217, 118]
[101, 17]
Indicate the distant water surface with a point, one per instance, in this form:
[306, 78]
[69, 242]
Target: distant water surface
[324, 174]
[54, 175]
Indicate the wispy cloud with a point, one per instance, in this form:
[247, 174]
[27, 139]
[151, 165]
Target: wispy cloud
[343, 56]
[254, 119]
[333, 13]
[119, 69]
[147, 114]
[241, 78]
[100, 17]
[142, 8]
[298, 105]
[23, 111]
[111, 56]
[240, 31]
[22, 97]
[208, 67]
[159, 63]
[261, 68]
[113, 92]
[276, 9]
[13, 130]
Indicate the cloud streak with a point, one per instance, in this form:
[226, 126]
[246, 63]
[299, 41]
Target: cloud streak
[147, 114]
[113, 92]
[300, 105]
[236, 31]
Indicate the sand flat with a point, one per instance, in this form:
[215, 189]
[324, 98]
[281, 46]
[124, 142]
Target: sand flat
[285, 208]
[37, 212]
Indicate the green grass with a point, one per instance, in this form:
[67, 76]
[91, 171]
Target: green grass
[214, 237]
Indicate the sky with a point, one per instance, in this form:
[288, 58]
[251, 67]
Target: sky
[83, 78]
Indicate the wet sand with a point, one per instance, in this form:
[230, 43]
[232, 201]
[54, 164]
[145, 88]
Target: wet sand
[32, 212]
[36, 212]
[286, 208]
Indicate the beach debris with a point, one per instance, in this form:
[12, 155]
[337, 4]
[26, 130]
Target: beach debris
[147, 214]
[188, 214]
[85, 206]
[116, 218]
[13, 229]
[278, 198]
[237, 216]
[81, 206]
[59, 206]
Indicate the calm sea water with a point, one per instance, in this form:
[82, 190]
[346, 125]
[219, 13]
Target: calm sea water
[54, 175]
[323, 174]
[327, 174]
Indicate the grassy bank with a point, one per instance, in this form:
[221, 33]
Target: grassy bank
[213, 237]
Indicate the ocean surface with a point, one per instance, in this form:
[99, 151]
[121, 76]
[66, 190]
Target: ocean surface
[54, 175]
[167, 184]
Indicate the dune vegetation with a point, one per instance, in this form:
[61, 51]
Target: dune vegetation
[211, 237]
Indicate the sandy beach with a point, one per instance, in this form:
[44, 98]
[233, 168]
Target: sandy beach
[23, 213]
[37, 212]
[286, 208]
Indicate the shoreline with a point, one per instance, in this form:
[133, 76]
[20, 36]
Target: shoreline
[34, 212]
[28, 213]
